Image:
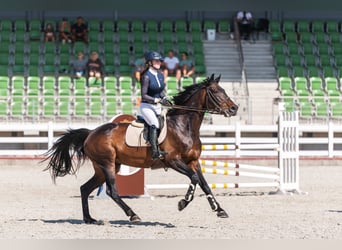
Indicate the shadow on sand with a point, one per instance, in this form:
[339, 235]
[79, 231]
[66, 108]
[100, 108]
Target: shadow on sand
[114, 223]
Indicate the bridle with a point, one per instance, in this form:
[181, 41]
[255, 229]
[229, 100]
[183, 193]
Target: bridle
[209, 97]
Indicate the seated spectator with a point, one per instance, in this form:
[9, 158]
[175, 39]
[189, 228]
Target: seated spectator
[139, 65]
[49, 33]
[186, 65]
[64, 31]
[245, 23]
[171, 65]
[95, 66]
[79, 65]
[79, 31]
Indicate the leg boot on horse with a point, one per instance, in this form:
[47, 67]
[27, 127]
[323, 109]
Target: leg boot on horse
[156, 152]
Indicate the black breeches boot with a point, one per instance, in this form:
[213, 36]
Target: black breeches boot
[156, 153]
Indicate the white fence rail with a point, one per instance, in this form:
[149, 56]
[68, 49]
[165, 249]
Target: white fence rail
[314, 140]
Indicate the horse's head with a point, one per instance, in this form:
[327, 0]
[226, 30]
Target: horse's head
[217, 100]
[207, 96]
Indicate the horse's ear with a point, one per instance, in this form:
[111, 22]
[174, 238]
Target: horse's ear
[212, 77]
[218, 78]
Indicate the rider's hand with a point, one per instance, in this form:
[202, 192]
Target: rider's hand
[166, 102]
[157, 100]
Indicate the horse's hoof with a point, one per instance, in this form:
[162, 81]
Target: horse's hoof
[182, 204]
[222, 214]
[93, 222]
[135, 219]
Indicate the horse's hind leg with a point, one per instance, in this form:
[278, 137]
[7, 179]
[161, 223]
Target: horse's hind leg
[113, 193]
[215, 206]
[86, 190]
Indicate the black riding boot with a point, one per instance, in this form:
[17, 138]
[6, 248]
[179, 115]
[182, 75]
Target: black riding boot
[156, 153]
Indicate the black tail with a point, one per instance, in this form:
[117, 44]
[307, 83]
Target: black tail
[61, 154]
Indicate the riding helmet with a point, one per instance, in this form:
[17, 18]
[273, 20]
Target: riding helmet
[153, 55]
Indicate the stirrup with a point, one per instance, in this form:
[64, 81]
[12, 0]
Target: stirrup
[160, 156]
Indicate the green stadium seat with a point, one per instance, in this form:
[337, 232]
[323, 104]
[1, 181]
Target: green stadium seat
[48, 109]
[6, 36]
[107, 26]
[110, 109]
[64, 85]
[6, 25]
[285, 85]
[322, 110]
[151, 25]
[48, 88]
[93, 25]
[166, 26]
[306, 110]
[336, 110]
[332, 26]
[122, 25]
[95, 109]
[137, 25]
[180, 26]
[288, 26]
[80, 87]
[317, 26]
[303, 26]
[110, 85]
[195, 26]
[332, 86]
[223, 26]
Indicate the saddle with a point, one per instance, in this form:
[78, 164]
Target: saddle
[137, 132]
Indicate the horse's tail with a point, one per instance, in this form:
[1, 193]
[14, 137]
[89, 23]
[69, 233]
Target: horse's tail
[61, 155]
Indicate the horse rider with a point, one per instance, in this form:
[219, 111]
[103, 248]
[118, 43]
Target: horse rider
[152, 97]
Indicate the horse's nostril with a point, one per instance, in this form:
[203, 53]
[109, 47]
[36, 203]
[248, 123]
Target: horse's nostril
[234, 108]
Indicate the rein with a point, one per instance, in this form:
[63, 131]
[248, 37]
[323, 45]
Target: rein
[212, 98]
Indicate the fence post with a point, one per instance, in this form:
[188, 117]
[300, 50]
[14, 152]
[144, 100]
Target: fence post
[50, 134]
[330, 139]
[288, 155]
[237, 139]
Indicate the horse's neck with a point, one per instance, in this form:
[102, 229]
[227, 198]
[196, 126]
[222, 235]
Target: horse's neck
[190, 121]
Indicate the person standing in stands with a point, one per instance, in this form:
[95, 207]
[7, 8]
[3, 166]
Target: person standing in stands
[245, 23]
[95, 66]
[79, 31]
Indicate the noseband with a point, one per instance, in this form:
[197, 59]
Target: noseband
[210, 97]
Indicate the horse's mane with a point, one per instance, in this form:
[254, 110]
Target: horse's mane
[183, 96]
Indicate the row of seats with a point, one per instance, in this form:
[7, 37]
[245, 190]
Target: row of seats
[38, 57]
[221, 25]
[66, 98]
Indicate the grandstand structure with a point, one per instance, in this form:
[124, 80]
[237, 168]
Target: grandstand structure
[295, 61]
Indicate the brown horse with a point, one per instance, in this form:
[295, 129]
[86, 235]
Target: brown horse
[105, 146]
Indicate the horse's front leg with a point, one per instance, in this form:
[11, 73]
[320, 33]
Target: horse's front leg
[215, 206]
[182, 168]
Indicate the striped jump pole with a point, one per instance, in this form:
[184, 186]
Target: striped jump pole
[226, 164]
[239, 173]
[214, 185]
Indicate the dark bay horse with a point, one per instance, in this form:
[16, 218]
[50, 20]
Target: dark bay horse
[106, 148]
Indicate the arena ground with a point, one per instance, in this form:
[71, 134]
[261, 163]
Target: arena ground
[32, 207]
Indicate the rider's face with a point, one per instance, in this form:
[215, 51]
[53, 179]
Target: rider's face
[156, 64]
